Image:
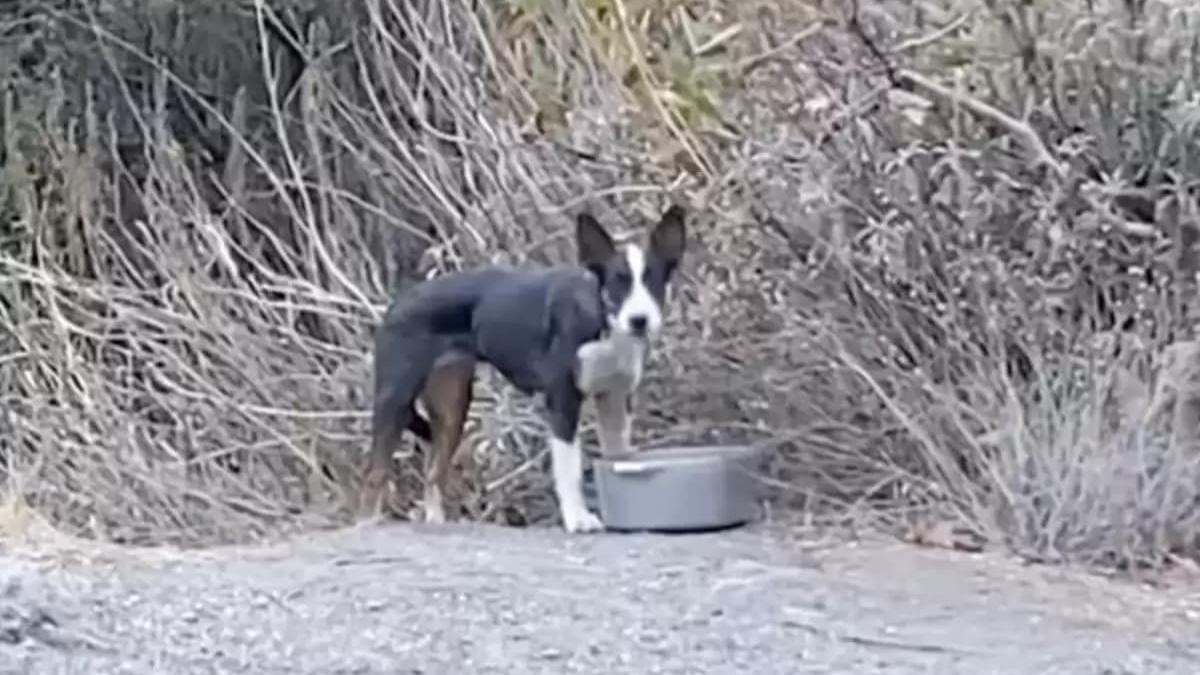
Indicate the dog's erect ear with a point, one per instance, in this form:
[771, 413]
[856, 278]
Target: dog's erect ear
[669, 238]
[594, 244]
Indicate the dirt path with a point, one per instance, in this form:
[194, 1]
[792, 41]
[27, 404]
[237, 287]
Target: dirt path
[457, 599]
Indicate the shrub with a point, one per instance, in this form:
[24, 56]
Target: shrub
[941, 250]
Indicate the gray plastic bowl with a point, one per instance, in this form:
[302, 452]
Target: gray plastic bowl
[678, 489]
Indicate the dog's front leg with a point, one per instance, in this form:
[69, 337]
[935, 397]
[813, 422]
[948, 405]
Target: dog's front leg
[563, 403]
[614, 417]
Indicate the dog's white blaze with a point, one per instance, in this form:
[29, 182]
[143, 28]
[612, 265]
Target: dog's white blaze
[639, 302]
[566, 460]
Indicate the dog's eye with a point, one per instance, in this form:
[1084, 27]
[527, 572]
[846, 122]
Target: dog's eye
[624, 277]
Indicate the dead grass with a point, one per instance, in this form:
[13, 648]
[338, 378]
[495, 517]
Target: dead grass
[938, 249]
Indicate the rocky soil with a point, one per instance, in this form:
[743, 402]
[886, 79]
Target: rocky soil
[402, 599]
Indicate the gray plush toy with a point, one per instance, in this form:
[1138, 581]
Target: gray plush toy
[613, 364]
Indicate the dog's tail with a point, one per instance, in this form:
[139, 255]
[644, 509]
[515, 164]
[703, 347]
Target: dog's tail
[409, 346]
[402, 362]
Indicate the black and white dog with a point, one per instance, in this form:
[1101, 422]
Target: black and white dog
[529, 324]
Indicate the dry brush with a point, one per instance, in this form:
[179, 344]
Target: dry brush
[943, 255]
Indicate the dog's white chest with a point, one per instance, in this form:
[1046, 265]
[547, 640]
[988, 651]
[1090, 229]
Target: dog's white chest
[613, 364]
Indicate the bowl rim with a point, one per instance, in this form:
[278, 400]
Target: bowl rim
[675, 455]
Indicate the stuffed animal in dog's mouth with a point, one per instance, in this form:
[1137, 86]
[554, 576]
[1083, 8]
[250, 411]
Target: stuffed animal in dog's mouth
[613, 364]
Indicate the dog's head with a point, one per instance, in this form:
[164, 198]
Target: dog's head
[633, 277]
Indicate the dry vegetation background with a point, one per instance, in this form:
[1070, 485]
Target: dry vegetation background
[942, 255]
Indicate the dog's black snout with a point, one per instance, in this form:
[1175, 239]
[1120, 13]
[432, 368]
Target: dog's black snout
[637, 324]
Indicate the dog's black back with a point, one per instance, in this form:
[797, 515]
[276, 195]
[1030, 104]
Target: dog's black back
[527, 323]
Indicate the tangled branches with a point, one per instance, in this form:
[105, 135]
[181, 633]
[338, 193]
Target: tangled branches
[939, 250]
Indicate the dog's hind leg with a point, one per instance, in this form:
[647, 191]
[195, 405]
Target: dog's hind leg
[388, 421]
[447, 398]
[401, 366]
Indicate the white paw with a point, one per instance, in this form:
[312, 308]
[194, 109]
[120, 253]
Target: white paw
[434, 511]
[581, 521]
[435, 515]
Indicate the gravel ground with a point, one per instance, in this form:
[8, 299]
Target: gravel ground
[402, 599]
